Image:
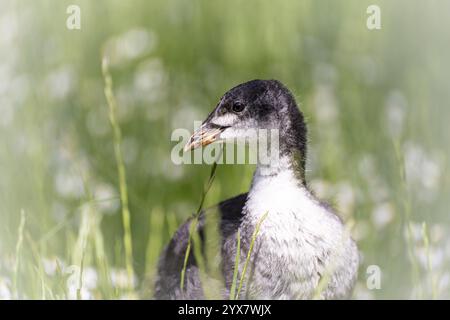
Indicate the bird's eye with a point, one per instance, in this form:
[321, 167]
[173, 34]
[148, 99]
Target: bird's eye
[237, 107]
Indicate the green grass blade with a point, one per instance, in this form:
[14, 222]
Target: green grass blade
[236, 266]
[126, 219]
[247, 260]
[193, 226]
[426, 242]
[18, 252]
[194, 223]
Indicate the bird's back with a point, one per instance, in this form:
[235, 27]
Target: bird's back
[171, 263]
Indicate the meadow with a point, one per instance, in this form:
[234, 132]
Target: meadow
[89, 195]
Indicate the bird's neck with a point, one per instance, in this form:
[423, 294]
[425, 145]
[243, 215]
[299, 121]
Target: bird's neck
[279, 184]
[276, 187]
[281, 204]
[287, 161]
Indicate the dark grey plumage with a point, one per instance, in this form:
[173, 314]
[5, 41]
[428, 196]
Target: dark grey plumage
[301, 242]
[172, 259]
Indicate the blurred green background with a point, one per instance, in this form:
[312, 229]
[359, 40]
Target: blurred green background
[376, 101]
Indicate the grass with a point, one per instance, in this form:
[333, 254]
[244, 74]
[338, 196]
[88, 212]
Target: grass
[426, 242]
[193, 229]
[236, 266]
[18, 252]
[126, 217]
[407, 224]
[249, 253]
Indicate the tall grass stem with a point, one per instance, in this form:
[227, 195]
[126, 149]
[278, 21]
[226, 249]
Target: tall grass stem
[117, 136]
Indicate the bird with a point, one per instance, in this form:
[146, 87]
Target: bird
[302, 249]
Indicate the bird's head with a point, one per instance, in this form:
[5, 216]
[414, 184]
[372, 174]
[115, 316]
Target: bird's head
[253, 105]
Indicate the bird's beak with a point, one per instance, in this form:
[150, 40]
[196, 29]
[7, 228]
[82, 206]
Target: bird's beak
[203, 136]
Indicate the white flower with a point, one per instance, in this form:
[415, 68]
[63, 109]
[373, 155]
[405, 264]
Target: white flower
[185, 117]
[444, 284]
[150, 81]
[423, 171]
[61, 82]
[435, 255]
[90, 278]
[88, 282]
[49, 266]
[377, 187]
[396, 106]
[382, 215]
[120, 279]
[106, 197]
[72, 293]
[130, 45]
[68, 184]
[5, 291]
[345, 198]
[8, 28]
[416, 231]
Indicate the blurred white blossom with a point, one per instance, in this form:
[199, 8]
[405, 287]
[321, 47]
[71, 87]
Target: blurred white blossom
[149, 86]
[50, 265]
[434, 254]
[90, 278]
[72, 293]
[438, 233]
[342, 192]
[185, 117]
[68, 184]
[150, 81]
[377, 188]
[433, 250]
[70, 169]
[416, 231]
[107, 198]
[5, 289]
[345, 198]
[61, 82]
[382, 215]
[119, 278]
[423, 171]
[8, 28]
[130, 45]
[396, 107]
[444, 284]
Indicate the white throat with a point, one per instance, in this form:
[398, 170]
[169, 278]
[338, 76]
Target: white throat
[279, 190]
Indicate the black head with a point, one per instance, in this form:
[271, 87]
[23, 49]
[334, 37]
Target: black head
[257, 104]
